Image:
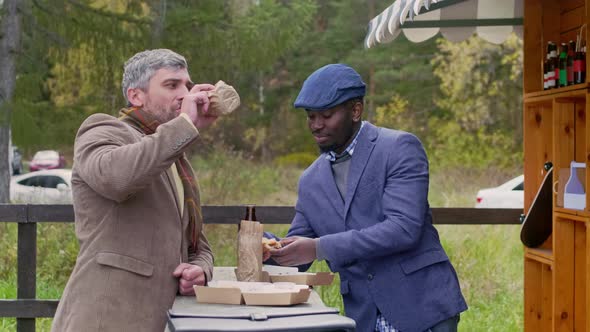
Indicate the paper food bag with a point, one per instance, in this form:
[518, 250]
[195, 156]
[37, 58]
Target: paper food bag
[249, 251]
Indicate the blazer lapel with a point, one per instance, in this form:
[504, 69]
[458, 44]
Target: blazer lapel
[170, 177]
[328, 184]
[362, 152]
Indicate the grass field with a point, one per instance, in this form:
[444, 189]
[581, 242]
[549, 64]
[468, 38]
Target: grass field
[488, 259]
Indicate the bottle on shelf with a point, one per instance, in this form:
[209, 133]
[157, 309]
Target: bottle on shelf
[552, 69]
[546, 68]
[579, 67]
[570, 62]
[563, 65]
[555, 56]
[580, 57]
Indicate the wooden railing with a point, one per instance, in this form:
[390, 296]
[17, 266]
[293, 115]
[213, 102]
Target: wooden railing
[26, 307]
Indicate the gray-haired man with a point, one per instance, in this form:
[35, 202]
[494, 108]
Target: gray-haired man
[136, 202]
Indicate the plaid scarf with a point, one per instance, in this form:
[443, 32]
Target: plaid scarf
[145, 122]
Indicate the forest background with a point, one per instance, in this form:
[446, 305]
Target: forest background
[463, 100]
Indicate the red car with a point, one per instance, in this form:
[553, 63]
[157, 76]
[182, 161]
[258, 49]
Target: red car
[47, 159]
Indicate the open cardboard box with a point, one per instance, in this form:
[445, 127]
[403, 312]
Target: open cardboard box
[252, 293]
[288, 298]
[273, 273]
[292, 274]
[220, 295]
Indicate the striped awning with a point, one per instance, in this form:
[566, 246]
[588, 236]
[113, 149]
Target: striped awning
[456, 20]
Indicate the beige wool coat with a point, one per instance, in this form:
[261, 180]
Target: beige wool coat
[129, 225]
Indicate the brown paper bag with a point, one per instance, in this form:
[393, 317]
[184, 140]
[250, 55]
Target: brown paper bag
[223, 99]
[249, 251]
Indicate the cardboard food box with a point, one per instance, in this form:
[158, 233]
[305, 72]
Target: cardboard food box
[282, 299]
[305, 278]
[220, 295]
[252, 293]
[292, 274]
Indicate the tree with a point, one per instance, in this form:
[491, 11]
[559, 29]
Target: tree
[10, 29]
[71, 67]
[399, 69]
[480, 102]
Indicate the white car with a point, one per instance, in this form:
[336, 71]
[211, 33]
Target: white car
[52, 186]
[507, 195]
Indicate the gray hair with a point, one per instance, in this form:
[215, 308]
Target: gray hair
[140, 68]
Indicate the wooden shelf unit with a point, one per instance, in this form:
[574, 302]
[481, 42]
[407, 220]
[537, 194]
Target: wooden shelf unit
[556, 277]
[543, 256]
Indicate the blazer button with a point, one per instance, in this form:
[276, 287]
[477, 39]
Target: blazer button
[370, 276]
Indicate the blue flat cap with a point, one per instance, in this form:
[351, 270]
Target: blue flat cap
[330, 86]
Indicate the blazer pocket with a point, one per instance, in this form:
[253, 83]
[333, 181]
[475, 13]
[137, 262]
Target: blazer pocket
[126, 263]
[423, 260]
[344, 287]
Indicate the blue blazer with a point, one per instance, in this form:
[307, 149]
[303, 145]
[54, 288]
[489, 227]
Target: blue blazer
[380, 239]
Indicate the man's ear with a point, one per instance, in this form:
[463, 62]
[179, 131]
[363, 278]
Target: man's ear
[357, 111]
[136, 97]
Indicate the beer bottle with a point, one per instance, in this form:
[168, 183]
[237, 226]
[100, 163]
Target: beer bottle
[563, 65]
[570, 62]
[579, 66]
[545, 70]
[555, 58]
[552, 70]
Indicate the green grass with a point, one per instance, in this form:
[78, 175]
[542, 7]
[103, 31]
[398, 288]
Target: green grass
[488, 259]
[489, 263]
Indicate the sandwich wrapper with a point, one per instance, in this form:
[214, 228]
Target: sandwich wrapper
[223, 100]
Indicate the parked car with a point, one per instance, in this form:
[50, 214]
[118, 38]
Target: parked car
[507, 195]
[47, 159]
[52, 186]
[16, 160]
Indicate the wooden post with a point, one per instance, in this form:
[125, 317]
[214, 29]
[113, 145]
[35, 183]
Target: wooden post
[27, 270]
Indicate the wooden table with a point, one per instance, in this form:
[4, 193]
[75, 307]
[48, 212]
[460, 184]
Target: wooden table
[186, 315]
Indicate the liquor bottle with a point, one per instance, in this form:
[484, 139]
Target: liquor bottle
[579, 68]
[563, 65]
[546, 68]
[570, 62]
[580, 65]
[553, 69]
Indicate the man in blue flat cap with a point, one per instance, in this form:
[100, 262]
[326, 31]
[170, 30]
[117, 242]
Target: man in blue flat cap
[362, 206]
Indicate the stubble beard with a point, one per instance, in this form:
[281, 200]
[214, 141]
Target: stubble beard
[162, 113]
[336, 146]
